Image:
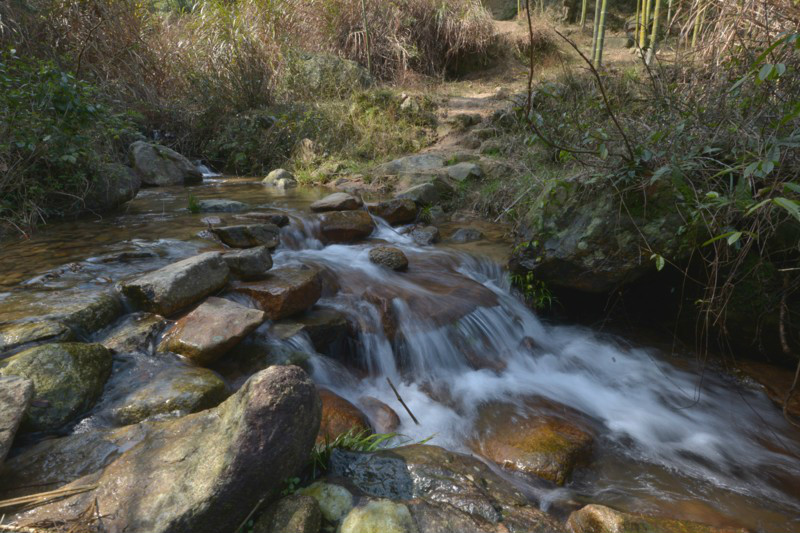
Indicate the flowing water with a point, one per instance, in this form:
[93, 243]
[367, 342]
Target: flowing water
[669, 439]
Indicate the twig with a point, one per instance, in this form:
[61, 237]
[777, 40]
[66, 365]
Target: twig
[414, 418]
[507, 209]
[250, 515]
[44, 497]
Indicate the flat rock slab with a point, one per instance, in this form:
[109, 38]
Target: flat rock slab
[397, 211]
[16, 336]
[15, 396]
[338, 201]
[249, 235]
[249, 264]
[178, 285]
[346, 226]
[278, 219]
[67, 378]
[216, 326]
[205, 472]
[219, 205]
[137, 332]
[285, 291]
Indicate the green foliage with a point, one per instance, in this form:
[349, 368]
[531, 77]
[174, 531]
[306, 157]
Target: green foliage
[290, 486]
[194, 204]
[534, 291]
[55, 133]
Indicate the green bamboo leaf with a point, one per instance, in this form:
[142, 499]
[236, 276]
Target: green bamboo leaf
[660, 262]
[759, 205]
[720, 237]
[792, 207]
[792, 187]
[734, 237]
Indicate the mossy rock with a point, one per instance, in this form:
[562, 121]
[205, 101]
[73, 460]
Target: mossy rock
[15, 336]
[68, 378]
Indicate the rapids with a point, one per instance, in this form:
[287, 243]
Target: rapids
[671, 438]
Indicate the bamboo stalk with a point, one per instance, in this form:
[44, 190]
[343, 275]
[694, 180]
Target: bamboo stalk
[584, 6]
[638, 21]
[601, 36]
[645, 24]
[654, 34]
[698, 21]
[595, 23]
[366, 34]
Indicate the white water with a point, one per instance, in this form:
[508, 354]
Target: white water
[646, 410]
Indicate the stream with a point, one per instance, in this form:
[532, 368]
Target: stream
[669, 438]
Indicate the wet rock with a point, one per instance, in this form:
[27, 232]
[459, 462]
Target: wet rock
[327, 328]
[334, 501]
[158, 165]
[14, 337]
[136, 333]
[297, 513]
[220, 205]
[114, 185]
[541, 445]
[600, 519]
[346, 226]
[464, 171]
[284, 292]
[442, 479]
[249, 264]
[385, 516]
[280, 179]
[383, 418]
[397, 211]
[178, 285]
[425, 235]
[204, 472]
[389, 256]
[250, 235]
[410, 165]
[464, 235]
[428, 193]
[67, 378]
[216, 326]
[447, 519]
[15, 397]
[339, 416]
[338, 201]
[210, 222]
[180, 390]
[278, 219]
[96, 312]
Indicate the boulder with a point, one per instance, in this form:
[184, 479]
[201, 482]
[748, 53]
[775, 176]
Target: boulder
[14, 337]
[203, 472]
[412, 164]
[114, 185]
[316, 76]
[425, 193]
[383, 418]
[278, 219]
[216, 326]
[425, 235]
[465, 235]
[453, 484]
[67, 378]
[384, 516]
[95, 312]
[178, 285]
[249, 235]
[345, 226]
[297, 513]
[181, 390]
[338, 201]
[280, 179]
[334, 501]
[137, 332]
[158, 165]
[15, 397]
[284, 292]
[601, 519]
[537, 444]
[462, 172]
[339, 416]
[397, 211]
[220, 205]
[249, 264]
[389, 256]
[328, 329]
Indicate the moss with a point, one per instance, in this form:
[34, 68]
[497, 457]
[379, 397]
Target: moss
[334, 501]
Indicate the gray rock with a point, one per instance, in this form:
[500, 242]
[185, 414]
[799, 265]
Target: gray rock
[397, 211]
[327, 328]
[219, 205]
[412, 164]
[326, 76]
[389, 257]
[136, 333]
[464, 235]
[250, 235]
[464, 171]
[204, 472]
[67, 378]
[14, 337]
[15, 397]
[425, 235]
[280, 179]
[385, 516]
[178, 285]
[346, 226]
[428, 193]
[249, 264]
[294, 514]
[95, 312]
[338, 201]
[114, 185]
[278, 219]
[158, 165]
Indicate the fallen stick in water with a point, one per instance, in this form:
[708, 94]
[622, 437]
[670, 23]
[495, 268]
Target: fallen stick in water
[414, 418]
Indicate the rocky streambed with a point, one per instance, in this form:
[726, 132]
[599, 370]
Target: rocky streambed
[167, 369]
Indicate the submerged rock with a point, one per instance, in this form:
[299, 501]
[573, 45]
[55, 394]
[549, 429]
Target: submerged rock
[182, 390]
[425, 235]
[136, 333]
[249, 264]
[384, 516]
[284, 292]
[204, 472]
[16, 336]
[338, 201]
[464, 235]
[216, 326]
[600, 519]
[67, 378]
[346, 226]
[297, 513]
[280, 179]
[158, 165]
[220, 205]
[178, 285]
[397, 211]
[250, 235]
[389, 256]
[15, 397]
[339, 416]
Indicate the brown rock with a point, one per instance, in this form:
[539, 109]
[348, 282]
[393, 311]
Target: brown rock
[249, 264]
[212, 329]
[389, 256]
[284, 292]
[383, 417]
[397, 211]
[297, 513]
[338, 201]
[248, 236]
[278, 219]
[600, 519]
[338, 416]
[346, 226]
